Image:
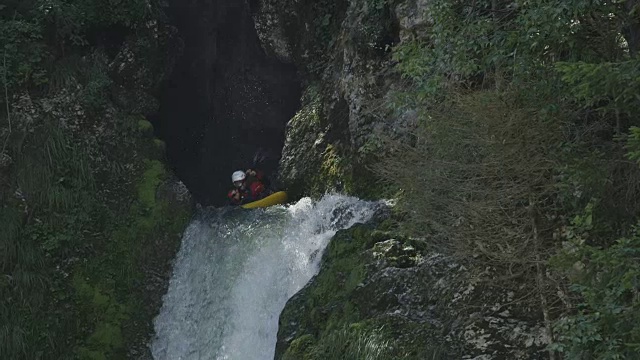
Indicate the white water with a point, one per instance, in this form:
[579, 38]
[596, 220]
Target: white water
[236, 270]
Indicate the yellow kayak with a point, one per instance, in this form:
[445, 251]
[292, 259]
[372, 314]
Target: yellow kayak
[274, 199]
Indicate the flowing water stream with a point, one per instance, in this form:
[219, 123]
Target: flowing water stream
[235, 271]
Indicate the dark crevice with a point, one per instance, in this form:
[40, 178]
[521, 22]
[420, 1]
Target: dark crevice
[225, 98]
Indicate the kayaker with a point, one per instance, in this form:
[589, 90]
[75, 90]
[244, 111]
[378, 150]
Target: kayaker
[248, 187]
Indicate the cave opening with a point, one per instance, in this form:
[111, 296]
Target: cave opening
[225, 100]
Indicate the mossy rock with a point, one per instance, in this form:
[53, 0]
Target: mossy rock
[106, 288]
[325, 302]
[151, 178]
[374, 33]
[106, 340]
[318, 156]
[299, 348]
[355, 304]
[145, 128]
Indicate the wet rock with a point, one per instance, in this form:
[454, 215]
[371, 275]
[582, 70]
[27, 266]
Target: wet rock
[427, 304]
[175, 193]
[271, 32]
[413, 18]
[395, 253]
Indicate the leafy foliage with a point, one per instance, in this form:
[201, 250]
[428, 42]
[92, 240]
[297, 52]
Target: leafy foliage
[633, 144]
[611, 87]
[70, 259]
[24, 53]
[35, 33]
[606, 324]
[489, 42]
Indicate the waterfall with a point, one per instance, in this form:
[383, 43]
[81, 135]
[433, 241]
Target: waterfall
[235, 271]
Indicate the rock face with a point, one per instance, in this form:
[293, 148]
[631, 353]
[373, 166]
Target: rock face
[226, 98]
[343, 52]
[412, 303]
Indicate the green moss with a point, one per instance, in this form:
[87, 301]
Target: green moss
[106, 340]
[387, 224]
[151, 178]
[306, 136]
[311, 113]
[334, 171]
[84, 353]
[299, 348]
[328, 304]
[145, 127]
[320, 162]
[353, 341]
[107, 287]
[345, 314]
[107, 335]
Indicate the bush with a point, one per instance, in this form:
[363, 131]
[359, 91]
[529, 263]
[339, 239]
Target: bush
[606, 324]
[34, 33]
[480, 174]
[23, 56]
[523, 106]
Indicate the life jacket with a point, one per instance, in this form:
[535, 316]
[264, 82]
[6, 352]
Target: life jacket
[256, 189]
[255, 186]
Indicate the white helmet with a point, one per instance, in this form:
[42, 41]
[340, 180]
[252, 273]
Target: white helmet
[238, 176]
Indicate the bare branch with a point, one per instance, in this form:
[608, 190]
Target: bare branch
[544, 306]
[6, 99]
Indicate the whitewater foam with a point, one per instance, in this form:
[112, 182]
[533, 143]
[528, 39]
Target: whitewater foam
[235, 271]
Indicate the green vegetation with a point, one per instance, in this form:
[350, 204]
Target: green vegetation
[345, 314]
[526, 157]
[607, 317]
[74, 253]
[37, 36]
[347, 343]
[78, 180]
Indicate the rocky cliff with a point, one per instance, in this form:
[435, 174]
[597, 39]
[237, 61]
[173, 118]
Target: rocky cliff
[378, 294]
[383, 296]
[343, 52]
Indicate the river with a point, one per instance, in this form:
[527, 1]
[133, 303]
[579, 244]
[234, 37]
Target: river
[235, 271]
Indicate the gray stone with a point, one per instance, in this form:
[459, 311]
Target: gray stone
[271, 33]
